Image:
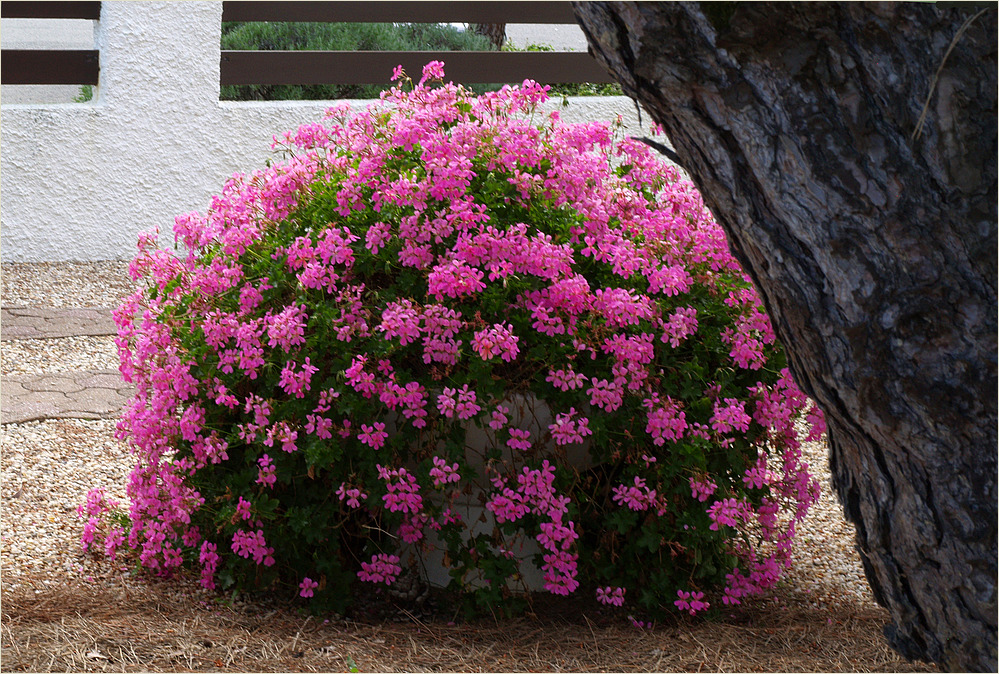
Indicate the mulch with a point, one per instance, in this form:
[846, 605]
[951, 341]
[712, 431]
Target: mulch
[128, 625]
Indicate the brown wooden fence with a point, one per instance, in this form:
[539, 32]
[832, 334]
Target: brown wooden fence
[326, 67]
[50, 66]
[368, 67]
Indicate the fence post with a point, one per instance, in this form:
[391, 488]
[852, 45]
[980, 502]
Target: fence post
[80, 181]
[159, 53]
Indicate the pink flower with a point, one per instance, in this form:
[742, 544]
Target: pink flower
[97, 504]
[565, 380]
[287, 329]
[454, 279]
[665, 421]
[508, 506]
[411, 529]
[267, 475]
[444, 474]
[567, 430]
[406, 208]
[191, 537]
[307, 586]
[670, 280]
[403, 494]
[377, 236]
[209, 560]
[461, 404]
[556, 536]
[637, 496]
[353, 495]
[613, 596]
[432, 71]
[498, 340]
[691, 601]
[114, 540]
[243, 509]
[730, 416]
[499, 419]
[363, 382]
[560, 573]
[747, 348]
[373, 436]
[757, 476]
[400, 320]
[446, 402]
[817, 423]
[319, 425]
[283, 432]
[640, 624]
[89, 531]
[727, 512]
[252, 544]
[701, 490]
[437, 350]
[681, 324]
[519, 439]
[606, 394]
[297, 382]
[382, 568]
[621, 307]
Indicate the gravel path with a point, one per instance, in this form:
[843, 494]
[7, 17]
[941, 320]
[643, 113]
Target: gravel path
[65, 284]
[46, 467]
[68, 354]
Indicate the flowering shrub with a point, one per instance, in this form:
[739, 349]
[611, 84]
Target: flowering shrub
[311, 372]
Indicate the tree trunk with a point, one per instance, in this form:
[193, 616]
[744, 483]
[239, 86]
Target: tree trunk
[849, 151]
[495, 32]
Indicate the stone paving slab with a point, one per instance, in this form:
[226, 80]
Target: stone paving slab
[48, 322]
[93, 394]
[89, 394]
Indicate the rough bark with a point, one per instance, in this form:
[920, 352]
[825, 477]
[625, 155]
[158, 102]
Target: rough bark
[872, 239]
[496, 32]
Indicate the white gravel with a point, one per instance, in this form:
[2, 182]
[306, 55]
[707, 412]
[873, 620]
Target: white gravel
[65, 284]
[67, 354]
[46, 470]
[827, 566]
[47, 467]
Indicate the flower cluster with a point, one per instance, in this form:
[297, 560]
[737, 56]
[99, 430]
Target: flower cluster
[381, 569]
[447, 295]
[614, 596]
[691, 601]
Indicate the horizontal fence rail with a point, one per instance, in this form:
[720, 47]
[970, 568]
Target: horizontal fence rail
[18, 9]
[399, 12]
[43, 66]
[50, 66]
[371, 67]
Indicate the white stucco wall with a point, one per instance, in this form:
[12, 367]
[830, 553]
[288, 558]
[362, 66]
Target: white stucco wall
[80, 181]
